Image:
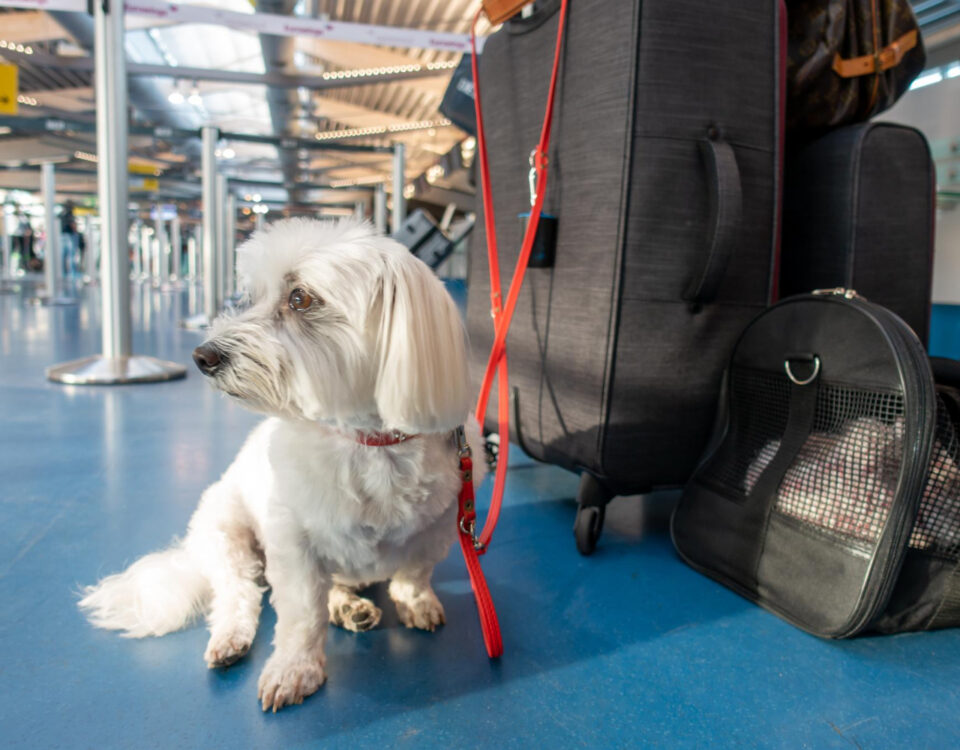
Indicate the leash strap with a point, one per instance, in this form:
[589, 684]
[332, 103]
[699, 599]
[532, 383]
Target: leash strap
[471, 545]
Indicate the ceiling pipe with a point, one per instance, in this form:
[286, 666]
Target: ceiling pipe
[277, 54]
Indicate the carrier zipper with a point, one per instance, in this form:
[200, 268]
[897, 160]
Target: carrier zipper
[908, 351]
[839, 291]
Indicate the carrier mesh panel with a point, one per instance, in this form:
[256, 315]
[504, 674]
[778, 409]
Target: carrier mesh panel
[844, 479]
[937, 527]
[759, 407]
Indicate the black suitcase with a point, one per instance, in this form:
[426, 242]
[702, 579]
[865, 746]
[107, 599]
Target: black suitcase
[664, 169]
[858, 213]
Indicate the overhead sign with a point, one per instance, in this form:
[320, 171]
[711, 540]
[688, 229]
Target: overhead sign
[148, 184]
[9, 89]
[138, 168]
[273, 23]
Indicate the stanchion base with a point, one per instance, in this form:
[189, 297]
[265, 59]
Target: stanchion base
[172, 286]
[102, 370]
[196, 322]
[44, 300]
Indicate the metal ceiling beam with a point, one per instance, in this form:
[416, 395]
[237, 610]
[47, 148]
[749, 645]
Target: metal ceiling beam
[144, 94]
[65, 127]
[30, 26]
[273, 79]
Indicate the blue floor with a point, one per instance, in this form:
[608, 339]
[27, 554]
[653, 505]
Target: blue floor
[945, 331]
[629, 648]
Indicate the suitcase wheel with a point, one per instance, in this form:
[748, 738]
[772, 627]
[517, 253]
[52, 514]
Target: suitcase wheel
[593, 498]
[587, 528]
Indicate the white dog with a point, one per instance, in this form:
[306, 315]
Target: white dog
[357, 352]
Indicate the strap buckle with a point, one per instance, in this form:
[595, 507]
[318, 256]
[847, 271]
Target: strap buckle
[463, 447]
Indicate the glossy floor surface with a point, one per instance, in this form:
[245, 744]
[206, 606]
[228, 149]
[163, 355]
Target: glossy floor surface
[628, 648]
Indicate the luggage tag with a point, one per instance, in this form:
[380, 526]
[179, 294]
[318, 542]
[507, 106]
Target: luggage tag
[543, 253]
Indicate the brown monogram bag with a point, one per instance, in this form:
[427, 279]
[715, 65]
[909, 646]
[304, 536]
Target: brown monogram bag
[848, 60]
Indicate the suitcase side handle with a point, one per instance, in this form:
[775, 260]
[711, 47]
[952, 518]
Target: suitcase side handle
[725, 205]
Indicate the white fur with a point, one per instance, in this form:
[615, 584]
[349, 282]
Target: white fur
[304, 505]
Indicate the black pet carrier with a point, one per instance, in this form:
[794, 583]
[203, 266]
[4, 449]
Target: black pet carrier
[830, 492]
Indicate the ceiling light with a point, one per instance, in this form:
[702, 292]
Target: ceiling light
[175, 97]
[927, 79]
[195, 99]
[953, 71]
[228, 153]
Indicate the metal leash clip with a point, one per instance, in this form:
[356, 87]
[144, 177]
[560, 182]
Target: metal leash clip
[532, 177]
[463, 447]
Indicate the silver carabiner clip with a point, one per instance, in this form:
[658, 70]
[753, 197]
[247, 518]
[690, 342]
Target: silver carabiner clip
[532, 177]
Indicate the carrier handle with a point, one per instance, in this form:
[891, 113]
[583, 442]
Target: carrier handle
[725, 202]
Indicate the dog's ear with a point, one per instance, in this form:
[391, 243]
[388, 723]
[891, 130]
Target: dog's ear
[422, 377]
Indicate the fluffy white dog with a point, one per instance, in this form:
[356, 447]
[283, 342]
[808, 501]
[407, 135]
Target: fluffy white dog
[357, 352]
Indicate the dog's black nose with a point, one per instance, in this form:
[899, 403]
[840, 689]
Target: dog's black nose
[208, 358]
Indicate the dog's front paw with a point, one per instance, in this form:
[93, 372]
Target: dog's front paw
[355, 613]
[223, 649]
[288, 680]
[417, 609]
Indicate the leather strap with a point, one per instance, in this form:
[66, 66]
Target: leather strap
[467, 516]
[472, 546]
[888, 57]
[725, 202]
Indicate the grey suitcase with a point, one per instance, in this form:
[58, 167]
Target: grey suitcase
[858, 213]
[664, 176]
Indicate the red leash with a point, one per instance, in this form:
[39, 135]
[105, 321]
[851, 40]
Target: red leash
[471, 545]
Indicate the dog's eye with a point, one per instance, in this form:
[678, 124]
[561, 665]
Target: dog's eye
[299, 300]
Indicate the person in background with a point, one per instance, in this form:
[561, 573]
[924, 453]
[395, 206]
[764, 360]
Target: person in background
[23, 245]
[69, 239]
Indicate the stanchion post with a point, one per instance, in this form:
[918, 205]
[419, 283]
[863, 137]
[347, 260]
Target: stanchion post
[192, 253]
[380, 209]
[211, 305]
[5, 272]
[90, 248]
[51, 256]
[399, 202]
[230, 243]
[133, 237]
[163, 248]
[176, 245]
[52, 260]
[221, 211]
[116, 363]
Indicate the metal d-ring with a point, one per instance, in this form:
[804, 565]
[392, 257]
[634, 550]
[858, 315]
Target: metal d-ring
[797, 381]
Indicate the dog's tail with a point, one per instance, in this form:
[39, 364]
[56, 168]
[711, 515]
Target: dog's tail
[159, 593]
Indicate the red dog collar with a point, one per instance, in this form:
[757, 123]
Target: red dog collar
[381, 439]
